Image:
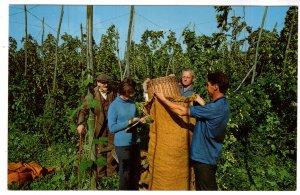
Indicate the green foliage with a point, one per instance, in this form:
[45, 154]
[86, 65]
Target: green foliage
[106, 60]
[257, 125]
[109, 183]
[23, 146]
[57, 181]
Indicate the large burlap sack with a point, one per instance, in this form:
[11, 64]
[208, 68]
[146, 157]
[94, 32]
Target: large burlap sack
[169, 146]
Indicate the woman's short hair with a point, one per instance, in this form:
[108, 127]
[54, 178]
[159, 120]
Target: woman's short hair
[126, 87]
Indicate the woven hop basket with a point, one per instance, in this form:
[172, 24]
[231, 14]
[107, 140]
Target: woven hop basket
[167, 85]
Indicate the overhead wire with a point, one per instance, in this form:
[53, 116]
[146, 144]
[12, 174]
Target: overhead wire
[110, 19]
[98, 28]
[37, 36]
[196, 27]
[33, 7]
[149, 20]
[37, 19]
[42, 21]
[27, 10]
[24, 24]
[16, 13]
[12, 6]
[103, 21]
[21, 9]
[169, 29]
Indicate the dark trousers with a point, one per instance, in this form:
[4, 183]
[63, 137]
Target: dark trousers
[110, 169]
[205, 176]
[129, 166]
[105, 151]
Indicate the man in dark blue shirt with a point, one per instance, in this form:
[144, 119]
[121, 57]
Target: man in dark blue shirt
[210, 128]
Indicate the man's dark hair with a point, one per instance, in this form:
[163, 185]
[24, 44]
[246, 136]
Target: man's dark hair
[220, 79]
[126, 87]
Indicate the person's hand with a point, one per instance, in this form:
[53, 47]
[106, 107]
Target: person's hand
[143, 120]
[133, 120]
[160, 95]
[80, 129]
[200, 100]
[147, 80]
[145, 83]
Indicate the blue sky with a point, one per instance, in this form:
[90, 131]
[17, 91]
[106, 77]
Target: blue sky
[151, 17]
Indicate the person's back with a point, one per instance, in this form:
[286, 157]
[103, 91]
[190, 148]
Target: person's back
[209, 133]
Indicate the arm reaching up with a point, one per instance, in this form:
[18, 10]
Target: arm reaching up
[200, 100]
[179, 110]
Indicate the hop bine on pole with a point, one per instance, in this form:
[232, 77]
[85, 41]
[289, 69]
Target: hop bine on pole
[79, 152]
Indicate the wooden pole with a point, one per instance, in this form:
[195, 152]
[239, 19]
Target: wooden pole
[170, 62]
[91, 119]
[89, 29]
[119, 61]
[257, 46]
[42, 51]
[43, 31]
[288, 43]
[127, 69]
[26, 37]
[56, 49]
[42, 48]
[82, 52]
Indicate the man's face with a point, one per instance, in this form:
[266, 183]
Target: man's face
[187, 78]
[211, 88]
[103, 85]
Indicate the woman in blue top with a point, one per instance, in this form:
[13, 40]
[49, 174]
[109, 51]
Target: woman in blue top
[122, 115]
[210, 128]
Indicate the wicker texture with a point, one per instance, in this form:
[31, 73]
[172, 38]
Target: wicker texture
[167, 85]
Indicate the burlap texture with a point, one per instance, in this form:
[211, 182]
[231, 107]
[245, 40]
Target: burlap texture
[24, 172]
[169, 146]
